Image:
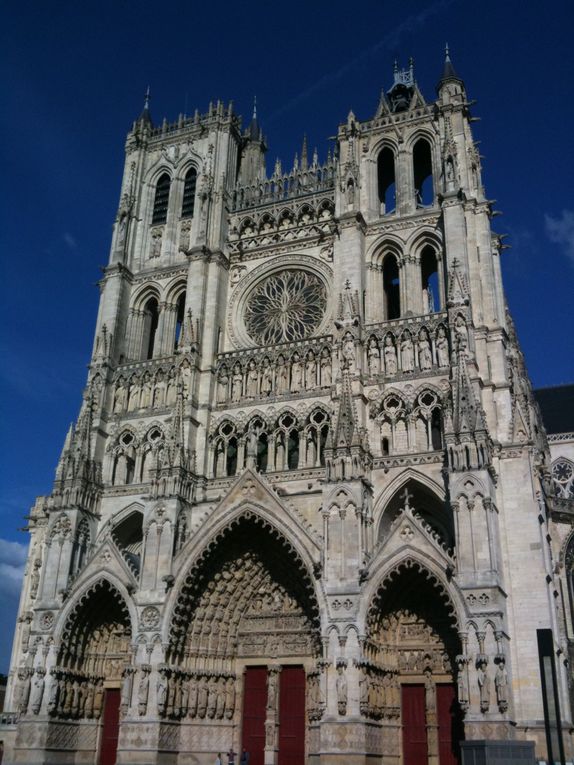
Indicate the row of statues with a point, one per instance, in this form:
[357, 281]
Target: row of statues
[209, 695]
[407, 353]
[155, 391]
[274, 377]
[484, 681]
[379, 693]
[75, 696]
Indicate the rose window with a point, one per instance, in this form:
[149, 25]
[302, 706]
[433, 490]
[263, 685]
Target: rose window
[285, 306]
[563, 475]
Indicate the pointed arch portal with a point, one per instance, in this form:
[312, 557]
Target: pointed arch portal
[245, 630]
[410, 667]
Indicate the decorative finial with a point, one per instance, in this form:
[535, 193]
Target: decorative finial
[146, 98]
[395, 66]
[254, 107]
[446, 52]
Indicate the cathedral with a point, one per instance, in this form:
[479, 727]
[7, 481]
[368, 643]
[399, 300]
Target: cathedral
[308, 510]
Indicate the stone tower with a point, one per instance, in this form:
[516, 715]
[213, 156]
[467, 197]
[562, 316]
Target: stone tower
[303, 508]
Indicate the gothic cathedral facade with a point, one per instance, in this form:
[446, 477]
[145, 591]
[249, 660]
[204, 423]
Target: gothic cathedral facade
[303, 508]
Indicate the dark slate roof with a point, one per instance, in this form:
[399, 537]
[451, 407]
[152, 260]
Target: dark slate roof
[557, 407]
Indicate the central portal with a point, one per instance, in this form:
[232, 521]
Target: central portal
[269, 726]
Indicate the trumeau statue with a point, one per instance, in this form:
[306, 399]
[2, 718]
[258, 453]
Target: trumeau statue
[312, 496]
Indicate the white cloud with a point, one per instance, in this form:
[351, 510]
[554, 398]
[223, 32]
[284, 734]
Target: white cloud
[70, 241]
[12, 562]
[561, 231]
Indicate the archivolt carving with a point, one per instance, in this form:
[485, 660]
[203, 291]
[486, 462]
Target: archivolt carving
[263, 602]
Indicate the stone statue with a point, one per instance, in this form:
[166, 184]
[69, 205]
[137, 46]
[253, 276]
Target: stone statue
[374, 357]
[171, 389]
[119, 397]
[192, 709]
[236, 384]
[266, 378]
[407, 354]
[326, 376]
[282, 375]
[145, 398]
[37, 692]
[461, 333]
[296, 374]
[425, 354]
[501, 684]
[159, 390]
[185, 372]
[203, 693]
[23, 690]
[272, 679]
[390, 354]
[211, 697]
[222, 385]
[341, 687]
[230, 698]
[442, 348]
[35, 578]
[26, 621]
[89, 703]
[462, 682]
[252, 380]
[348, 352]
[133, 395]
[310, 371]
[161, 690]
[483, 683]
[54, 693]
[126, 692]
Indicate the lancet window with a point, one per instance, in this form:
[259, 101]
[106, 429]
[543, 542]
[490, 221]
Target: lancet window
[392, 288]
[124, 461]
[386, 180]
[422, 172]
[81, 547]
[161, 200]
[189, 187]
[431, 282]
[150, 324]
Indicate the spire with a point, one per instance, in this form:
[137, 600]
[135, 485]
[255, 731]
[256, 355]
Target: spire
[304, 160]
[145, 116]
[254, 131]
[448, 72]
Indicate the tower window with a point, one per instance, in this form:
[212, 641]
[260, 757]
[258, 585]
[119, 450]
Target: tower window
[391, 283]
[151, 317]
[386, 180]
[161, 200]
[430, 281]
[422, 167]
[179, 318]
[189, 186]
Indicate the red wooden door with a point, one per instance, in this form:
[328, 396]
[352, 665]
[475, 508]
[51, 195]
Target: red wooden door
[254, 705]
[413, 718]
[292, 716]
[450, 726]
[111, 727]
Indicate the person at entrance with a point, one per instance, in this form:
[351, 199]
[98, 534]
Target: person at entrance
[218, 759]
[244, 758]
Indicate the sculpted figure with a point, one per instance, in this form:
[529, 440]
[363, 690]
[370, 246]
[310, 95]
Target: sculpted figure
[145, 398]
[171, 389]
[282, 376]
[23, 690]
[390, 354]
[89, 702]
[310, 371]
[272, 678]
[266, 378]
[326, 375]
[192, 711]
[133, 395]
[501, 685]
[98, 699]
[483, 684]
[374, 357]
[441, 348]
[202, 698]
[407, 354]
[462, 682]
[54, 693]
[222, 385]
[425, 354]
[26, 620]
[461, 333]
[220, 700]
[185, 372]
[161, 694]
[119, 397]
[159, 390]
[348, 352]
[230, 698]
[236, 384]
[364, 692]
[35, 578]
[296, 374]
[341, 686]
[184, 690]
[252, 381]
[126, 692]
[211, 698]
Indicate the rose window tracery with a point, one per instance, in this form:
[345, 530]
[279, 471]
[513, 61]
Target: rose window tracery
[286, 306]
[563, 477]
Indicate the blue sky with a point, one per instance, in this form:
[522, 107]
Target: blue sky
[74, 75]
